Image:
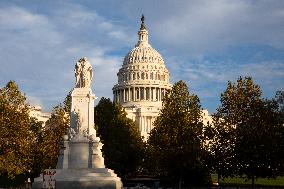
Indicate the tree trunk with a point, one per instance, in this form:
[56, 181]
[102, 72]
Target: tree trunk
[252, 181]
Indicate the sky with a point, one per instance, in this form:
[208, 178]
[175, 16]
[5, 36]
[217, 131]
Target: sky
[205, 43]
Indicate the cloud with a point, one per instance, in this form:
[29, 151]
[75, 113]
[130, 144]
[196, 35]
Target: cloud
[105, 69]
[209, 78]
[204, 26]
[39, 51]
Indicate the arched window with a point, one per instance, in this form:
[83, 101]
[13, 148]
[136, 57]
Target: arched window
[151, 75]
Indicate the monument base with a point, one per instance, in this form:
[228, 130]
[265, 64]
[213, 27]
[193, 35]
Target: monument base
[97, 178]
[81, 166]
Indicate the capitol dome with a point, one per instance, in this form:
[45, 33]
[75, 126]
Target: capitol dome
[143, 65]
[142, 82]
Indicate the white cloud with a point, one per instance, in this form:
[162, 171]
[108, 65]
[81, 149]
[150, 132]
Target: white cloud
[18, 18]
[105, 69]
[40, 51]
[208, 77]
[200, 26]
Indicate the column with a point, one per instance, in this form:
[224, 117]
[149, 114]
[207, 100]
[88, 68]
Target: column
[140, 125]
[148, 125]
[145, 123]
[124, 97]
[129, 99]
[118, 99]
[151, 125]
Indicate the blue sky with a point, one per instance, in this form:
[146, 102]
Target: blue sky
[205, 43]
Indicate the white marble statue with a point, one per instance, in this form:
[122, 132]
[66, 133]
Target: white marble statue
[83, 73]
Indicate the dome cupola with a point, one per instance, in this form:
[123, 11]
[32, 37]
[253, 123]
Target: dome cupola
[143, 52]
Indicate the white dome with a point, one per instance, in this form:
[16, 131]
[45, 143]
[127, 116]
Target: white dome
[143, 54]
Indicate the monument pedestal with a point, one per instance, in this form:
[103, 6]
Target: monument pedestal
[81, 165]
[99, 178]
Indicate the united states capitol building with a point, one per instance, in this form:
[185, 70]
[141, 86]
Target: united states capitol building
[143, 81]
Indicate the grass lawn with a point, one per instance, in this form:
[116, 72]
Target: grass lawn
[279, 181]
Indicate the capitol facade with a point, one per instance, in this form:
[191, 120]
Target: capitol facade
[143, 81]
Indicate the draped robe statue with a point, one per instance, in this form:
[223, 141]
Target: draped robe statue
[83, 73]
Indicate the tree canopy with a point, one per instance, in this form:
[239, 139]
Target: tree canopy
[175, 144]
[247, 133]
[55, 128]
[123, 148]
[19, 135]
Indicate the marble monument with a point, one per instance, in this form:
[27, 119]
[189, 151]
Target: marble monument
[80, 162]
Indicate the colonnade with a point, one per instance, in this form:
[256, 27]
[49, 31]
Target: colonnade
[122, 77]
[146, 123]
[139, 94]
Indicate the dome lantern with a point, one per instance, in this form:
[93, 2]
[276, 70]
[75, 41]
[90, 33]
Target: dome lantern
[142, 34]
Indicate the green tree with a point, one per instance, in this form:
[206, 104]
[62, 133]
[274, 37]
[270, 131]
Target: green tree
[67, 103]
[247, 131]
[175, 144]
[18, 136]
[55, 128]
[37, 166]
[123, 146]
[279, 100]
